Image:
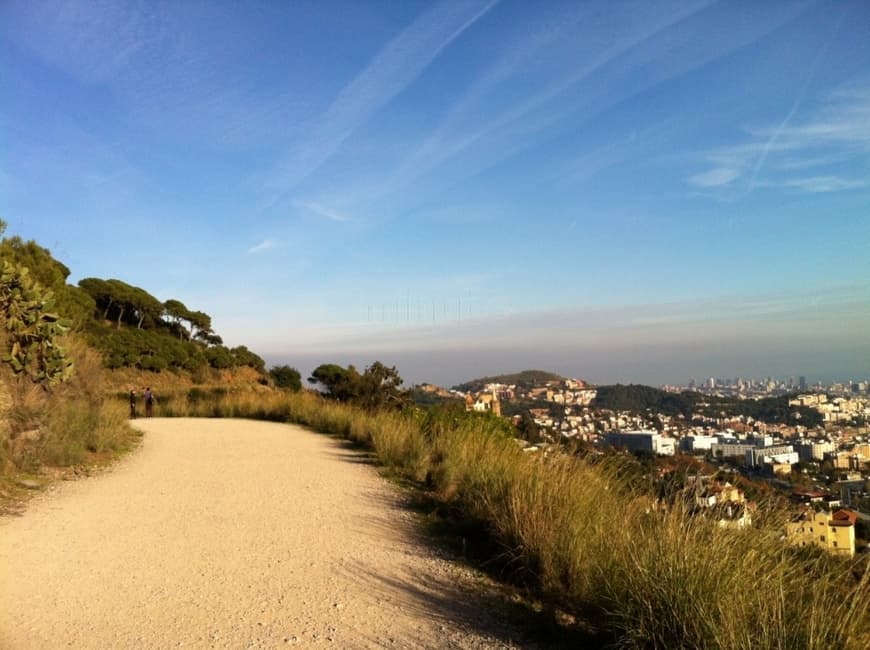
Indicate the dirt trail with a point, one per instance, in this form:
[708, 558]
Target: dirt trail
[232, 534]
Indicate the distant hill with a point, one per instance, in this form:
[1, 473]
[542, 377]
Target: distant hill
[431, 395]
[640, 399]
[523, 379]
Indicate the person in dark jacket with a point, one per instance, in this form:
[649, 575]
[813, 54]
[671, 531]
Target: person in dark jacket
[149, 403]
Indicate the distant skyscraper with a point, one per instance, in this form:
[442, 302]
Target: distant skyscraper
[802, 382]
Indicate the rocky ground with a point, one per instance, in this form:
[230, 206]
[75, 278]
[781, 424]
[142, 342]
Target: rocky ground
[235, 534]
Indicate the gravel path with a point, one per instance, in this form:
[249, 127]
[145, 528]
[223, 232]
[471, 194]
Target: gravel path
[232, 534]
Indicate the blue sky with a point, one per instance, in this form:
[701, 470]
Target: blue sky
[633, 191]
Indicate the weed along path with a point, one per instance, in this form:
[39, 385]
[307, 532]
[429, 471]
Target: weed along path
[232, 534]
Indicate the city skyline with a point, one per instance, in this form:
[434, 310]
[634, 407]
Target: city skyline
[625, 191]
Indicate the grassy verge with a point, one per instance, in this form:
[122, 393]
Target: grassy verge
[590, 543]
[46, 435]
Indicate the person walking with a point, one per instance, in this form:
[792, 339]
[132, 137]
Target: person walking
[132, 404]
[149, 403]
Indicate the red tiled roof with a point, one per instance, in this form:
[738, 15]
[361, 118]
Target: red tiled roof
[813, 494]
[844, 518]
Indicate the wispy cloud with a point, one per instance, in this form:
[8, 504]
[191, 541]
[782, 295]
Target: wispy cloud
[818, 184]
[92, 41]
[394, 68]
[835, 134]
[470, 123]
[790, 164]
[784, 124]
[321, 211]
[492, 123]
[845, 119]
[265, 245]
[715, 177]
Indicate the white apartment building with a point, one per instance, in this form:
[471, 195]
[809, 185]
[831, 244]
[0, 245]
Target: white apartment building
[694, 444]
[730, 448]
[774, 455]
[647, 441]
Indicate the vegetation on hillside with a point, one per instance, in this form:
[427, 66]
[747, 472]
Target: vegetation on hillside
[31, 331]
[423, 398]
[134, 329]
[640, 399]
[56, 338]
[71, 302]
[523, 379]
[53, 409]
[128, 325]
[286, 377]
[377, 387]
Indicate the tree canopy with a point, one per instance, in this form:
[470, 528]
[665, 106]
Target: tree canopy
[376, 388]
[123, 302]
[131, 327]
[286, 377]
[51, 275]
[640, 399]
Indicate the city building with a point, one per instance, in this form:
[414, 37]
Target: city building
[853, 489]
[483, 403]
[644, 441]
[773, 455]
[832, 532]
[730, 448]
[693, 444]
[814, 449]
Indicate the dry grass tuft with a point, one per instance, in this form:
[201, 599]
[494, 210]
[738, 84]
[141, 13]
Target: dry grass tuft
[72, 424]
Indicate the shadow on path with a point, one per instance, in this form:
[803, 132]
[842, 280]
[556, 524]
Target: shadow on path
[469, 590]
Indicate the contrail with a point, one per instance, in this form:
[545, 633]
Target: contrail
[762, 158]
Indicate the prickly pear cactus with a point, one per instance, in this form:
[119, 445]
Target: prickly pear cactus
[31, 330]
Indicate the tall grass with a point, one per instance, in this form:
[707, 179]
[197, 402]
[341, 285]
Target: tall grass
[650, 577]
[74, 423]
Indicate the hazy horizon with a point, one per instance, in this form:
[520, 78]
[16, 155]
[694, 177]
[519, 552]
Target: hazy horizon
[454, 369]
[623, 190]
[664, 343]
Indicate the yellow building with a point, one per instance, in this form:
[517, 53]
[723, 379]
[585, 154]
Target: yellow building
[832, 532]
[732, 493]
[483, 403]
